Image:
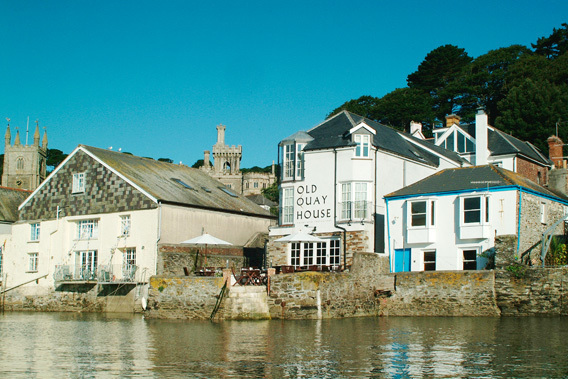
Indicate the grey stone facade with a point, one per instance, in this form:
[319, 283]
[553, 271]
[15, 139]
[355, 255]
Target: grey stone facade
[105, 192]
[531, 228]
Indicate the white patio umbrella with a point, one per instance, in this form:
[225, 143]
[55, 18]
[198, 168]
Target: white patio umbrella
[206, 239]
[299, 237]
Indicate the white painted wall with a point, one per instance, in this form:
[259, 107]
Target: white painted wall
[58, 243]
[446, 232]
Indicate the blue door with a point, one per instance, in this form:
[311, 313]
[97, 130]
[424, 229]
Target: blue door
[401, 260]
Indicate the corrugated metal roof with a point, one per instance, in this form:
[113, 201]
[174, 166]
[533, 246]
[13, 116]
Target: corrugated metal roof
[470, 178]
[10, 200]
[165, 182]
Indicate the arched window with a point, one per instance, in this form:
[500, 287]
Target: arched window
[20, 164]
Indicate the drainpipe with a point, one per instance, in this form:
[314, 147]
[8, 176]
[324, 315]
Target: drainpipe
[375, 204]
[335, 210]
[159, 237]
[519, 222]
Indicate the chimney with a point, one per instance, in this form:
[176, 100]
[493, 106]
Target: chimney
[555, 151]
[452, 119]
[415, 127]
[481, 150]
[206, 159]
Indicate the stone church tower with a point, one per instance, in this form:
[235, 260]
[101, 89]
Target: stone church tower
[24, 165]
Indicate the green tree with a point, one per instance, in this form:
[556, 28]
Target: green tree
[271, 192]
[486, 79]
[199, 163]
[364, 106]
[441, 75]
[403, 105]
[554, 45]
[54, 158]
[531, 110]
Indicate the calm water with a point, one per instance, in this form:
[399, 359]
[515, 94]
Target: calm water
[47, 345]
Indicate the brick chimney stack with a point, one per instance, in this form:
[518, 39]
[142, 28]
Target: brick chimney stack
[555, 153]
[452, 119]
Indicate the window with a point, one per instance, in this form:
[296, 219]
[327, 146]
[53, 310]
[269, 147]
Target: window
[87, 229]
[88, 264]
[472, 210]
[463, 143]
[34, 235]
[129, 263]
[289, 161]
[430, 260]
[308, 254]
[182, 183]
[287, 217]
[354, 205]
[79, 182]
[299, 160]
[334, 249]
[346, 201]
[125, 225]
[362, 148]
[470, 259]
[543, 213]
[20, 164]
[295, 254]
[32, 262]
[325, 253]
[422, 213]
[255, 185]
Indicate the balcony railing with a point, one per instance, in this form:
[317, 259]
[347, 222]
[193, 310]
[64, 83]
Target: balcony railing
[103, 273]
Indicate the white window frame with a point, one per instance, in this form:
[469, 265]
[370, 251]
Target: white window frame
[33, 262]
[355, 205]
[542, 212]
[87, 264]
[35, 229]
[287, 217]
[429, 213]
[125, 225]
[484, 208]
[78, 182]
[288, 158]
[363, 148]
[87, 229]
[299, 161]
[463, 250]
[429, 262]
[325, 253]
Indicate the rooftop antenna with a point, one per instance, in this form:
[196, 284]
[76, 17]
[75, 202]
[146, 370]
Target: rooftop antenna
[27, 130]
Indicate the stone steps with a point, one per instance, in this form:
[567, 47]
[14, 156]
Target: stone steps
[247, 303]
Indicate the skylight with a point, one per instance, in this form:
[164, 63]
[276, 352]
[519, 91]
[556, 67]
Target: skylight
[228, 192]
[206, 189]
[179, 181]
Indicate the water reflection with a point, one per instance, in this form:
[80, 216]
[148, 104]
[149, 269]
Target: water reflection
[91, 345]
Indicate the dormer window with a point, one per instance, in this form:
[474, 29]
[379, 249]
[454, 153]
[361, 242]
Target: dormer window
[293, 161]
[362, 148]
[458, 142]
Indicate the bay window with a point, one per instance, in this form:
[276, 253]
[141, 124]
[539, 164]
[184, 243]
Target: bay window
[325, 253]
[354, 204]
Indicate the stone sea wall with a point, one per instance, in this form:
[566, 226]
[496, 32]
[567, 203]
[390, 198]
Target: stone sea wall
[78, 298]
[439, 293]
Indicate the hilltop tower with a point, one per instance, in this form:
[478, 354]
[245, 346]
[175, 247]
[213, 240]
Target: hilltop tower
[24, 165]
[227, 168]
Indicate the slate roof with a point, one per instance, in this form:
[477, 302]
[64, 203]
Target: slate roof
[471, 178]
[10, 200]
[334, 133]
[500, 143]
[156, 179]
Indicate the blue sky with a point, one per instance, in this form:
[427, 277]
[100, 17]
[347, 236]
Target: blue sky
[155, 78]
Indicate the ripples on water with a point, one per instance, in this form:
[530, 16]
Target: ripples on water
[46, 345]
